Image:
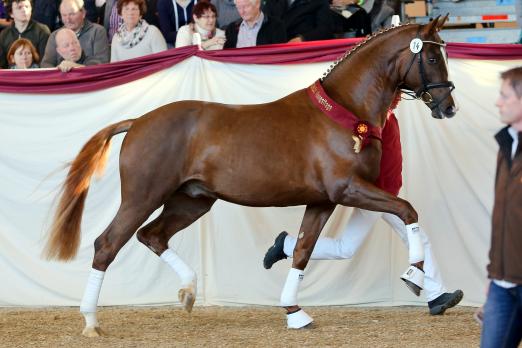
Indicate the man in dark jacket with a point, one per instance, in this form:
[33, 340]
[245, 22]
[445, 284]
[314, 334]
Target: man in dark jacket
[254, 28]
[305, 20]
[503, 309]
[22, 27]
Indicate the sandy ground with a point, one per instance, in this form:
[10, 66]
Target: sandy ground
[240, 327]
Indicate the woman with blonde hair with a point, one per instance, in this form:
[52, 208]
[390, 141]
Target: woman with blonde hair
[22, 55]
[202, 29]
[135, 37]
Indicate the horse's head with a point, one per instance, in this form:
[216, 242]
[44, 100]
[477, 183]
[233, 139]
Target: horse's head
[425, 74]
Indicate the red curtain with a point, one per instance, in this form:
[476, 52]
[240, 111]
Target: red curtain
[108, 75]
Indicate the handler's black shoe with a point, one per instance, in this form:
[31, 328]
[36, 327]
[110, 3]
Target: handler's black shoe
[275, 252]
[447, 300]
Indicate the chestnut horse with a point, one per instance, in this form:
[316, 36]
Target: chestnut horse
[186, 155]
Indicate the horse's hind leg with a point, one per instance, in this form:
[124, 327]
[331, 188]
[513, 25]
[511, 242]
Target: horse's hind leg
[178, 213]
[129, 217]
[314, 219]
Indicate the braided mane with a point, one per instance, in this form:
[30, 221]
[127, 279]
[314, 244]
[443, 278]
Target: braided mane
[356, 47]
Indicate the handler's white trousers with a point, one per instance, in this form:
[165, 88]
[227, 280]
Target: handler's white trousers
[359, 225]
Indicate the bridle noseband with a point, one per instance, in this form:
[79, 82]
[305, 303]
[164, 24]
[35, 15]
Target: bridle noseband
[424, 92]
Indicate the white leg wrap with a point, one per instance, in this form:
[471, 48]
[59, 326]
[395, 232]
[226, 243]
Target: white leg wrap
[415, 276]
[298, 319]
[416, 249]
[90, 297]
[185, 273]
[289, 293]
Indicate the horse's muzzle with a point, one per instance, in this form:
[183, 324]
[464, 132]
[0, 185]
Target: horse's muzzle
[440, 113]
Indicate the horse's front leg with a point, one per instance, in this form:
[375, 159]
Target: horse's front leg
[314, 219]
[362, 194]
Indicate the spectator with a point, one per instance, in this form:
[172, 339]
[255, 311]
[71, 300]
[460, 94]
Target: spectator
[4, 20]
[151, 16]
[350, 19]
[502, 318]
[112, 20]
[254, 28]
[305, 20]
[22, 55]
[22, 27]
[173, 14]
[46, 12]
[202, 30]
[227, 12]
[135, 37]
[69, 50]
[92, 36]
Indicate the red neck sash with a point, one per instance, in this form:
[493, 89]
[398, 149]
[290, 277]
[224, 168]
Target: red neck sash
[362, 129]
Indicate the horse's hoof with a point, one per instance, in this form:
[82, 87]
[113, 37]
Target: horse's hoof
[93, 332]
[187, 298]
[299, 320]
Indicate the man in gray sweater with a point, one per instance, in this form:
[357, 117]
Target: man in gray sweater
[92, 37]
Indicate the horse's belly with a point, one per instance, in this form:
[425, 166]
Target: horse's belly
[246, 188]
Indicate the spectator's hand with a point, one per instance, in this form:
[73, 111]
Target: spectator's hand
[296, 39]
[479, 315]
[216, 40]
[5, 22]
[67, 66]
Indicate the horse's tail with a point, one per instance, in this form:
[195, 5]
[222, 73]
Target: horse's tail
[64, 234]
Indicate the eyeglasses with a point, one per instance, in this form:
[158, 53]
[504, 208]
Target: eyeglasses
[208, 17]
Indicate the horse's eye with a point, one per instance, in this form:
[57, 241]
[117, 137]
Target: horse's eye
[432, 60]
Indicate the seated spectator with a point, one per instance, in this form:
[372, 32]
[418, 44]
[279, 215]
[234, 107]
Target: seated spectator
[46, 12]
[305, 20]
[69, 50]
[254, 28]
[111, 19]
[22, 55]
[227, 12]
[22, 27]
[350, 19]
[92, 36]
[382, 11]
[135, 37]
[151, 16]
[202, 30]
[173, 14]
[4, 20]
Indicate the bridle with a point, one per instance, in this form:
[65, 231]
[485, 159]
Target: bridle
[423, 93]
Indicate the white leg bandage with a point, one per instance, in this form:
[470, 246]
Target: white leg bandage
[416, 249]
[185, 273]
[90, 297]
[289, 294]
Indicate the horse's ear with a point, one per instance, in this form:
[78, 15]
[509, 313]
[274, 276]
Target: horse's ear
[431, 27]
[442, 21]
[435, 25]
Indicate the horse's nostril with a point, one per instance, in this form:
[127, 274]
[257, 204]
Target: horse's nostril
[450, 111]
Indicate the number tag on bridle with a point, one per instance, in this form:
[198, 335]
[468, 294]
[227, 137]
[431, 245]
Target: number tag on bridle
[416, 45]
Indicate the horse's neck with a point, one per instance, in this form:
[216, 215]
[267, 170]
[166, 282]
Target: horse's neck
[363, 84]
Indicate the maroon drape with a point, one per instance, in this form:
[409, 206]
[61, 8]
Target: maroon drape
[109, 75]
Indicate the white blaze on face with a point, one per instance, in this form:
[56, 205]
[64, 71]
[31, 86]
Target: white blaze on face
[445, 57]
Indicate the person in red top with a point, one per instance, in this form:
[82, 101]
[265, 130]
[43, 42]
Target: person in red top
[362, 221]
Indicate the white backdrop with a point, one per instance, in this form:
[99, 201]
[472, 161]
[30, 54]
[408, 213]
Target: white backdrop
[448, 176]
